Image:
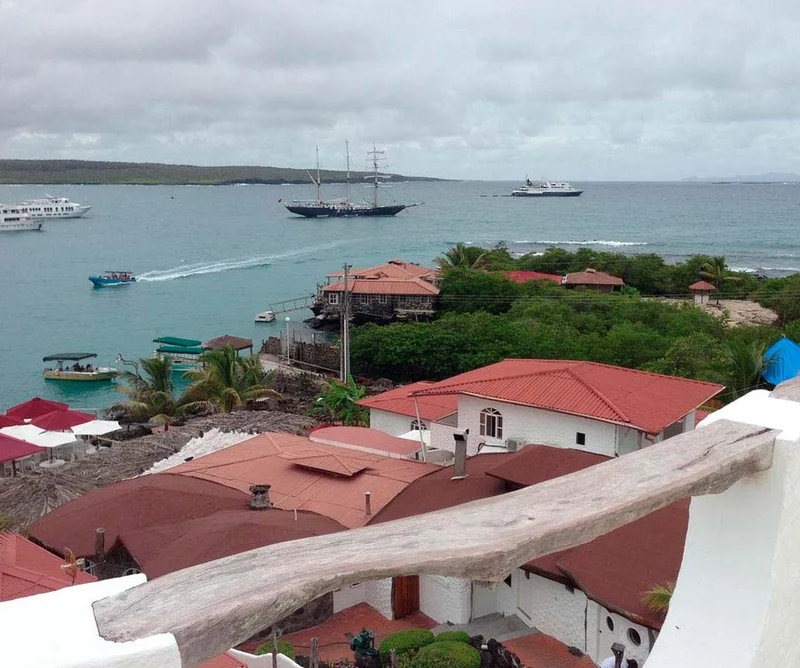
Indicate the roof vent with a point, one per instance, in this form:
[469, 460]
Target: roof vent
[591, 271]
[260, 499]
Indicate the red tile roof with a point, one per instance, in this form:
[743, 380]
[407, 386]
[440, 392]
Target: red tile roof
[171, 546]
[223, 661]
[437, 491]
[399, 400]
[646, 401]
[35, 407]
[261, 460]
[617, 569]
[539, 650]
[592, 277]
[133, 504]
[527, 276]
[702, 286]
[366, 440]
[393, 278]
[537, 463]
[27, 569]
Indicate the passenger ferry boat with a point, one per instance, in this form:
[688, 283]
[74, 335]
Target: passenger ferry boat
[113, 278]
[53, 207]
[13, 220]
[183, 353]
[77, 371]
[546, 189]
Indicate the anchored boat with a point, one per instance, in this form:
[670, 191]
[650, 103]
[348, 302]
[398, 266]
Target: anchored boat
[53, 207]
[265, 316]
[184, 353]
[13, 220]
[77, 371]
[111, 278]
[546, 189]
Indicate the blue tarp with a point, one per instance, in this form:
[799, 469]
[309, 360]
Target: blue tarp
[785, 364]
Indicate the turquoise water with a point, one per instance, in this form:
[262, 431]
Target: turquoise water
[209, 258]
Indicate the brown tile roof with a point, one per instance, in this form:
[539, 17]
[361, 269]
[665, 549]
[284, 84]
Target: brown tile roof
[537, 463]
[125, 506]
[27, 569]
[261, 460]
[373, 441]
[702, 286]
[437, 491]
[237, 342]
[592, 277]
[399, 400]
[649, 402]
[539, 650]
[169, 547]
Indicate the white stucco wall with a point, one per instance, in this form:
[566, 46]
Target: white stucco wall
[629, 440]
[261, 660]
[485, 600]
[533, 425]
[599, 637]
[736, 603]
[391, 423]
[552, 608]
[445, 599]
[379, 595]
[347, 597]
[442, 438]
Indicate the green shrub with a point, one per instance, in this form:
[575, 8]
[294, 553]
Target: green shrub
[404, 642]
[463, 655]
[428, 661]
[284, 647]
[454, 636]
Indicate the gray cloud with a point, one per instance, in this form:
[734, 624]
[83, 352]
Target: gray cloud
[468, 89]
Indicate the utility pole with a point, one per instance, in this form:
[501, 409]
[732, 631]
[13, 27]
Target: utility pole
[345, 327]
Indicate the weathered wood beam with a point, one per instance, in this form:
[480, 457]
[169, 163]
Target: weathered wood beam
[789, 389]
[214, 606]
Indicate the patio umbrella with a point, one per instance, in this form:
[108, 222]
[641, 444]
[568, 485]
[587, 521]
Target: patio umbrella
[34, 408]
[62, 420]
[52, 439]
[12, 449]
[95, 428]
[8, 421]
[24, 432]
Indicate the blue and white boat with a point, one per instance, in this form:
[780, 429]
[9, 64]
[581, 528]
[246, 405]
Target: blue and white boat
[113, 278]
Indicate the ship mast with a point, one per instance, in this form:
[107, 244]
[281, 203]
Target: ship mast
[347, 150]
[377, 156]
[319, 180]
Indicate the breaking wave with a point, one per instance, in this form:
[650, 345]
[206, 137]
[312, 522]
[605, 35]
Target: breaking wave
[587, 242]
[219, 266]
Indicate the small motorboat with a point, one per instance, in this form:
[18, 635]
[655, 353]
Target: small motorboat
[77, 371]
[265, 316]
[111, 278]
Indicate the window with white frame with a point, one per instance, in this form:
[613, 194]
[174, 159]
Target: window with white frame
[333, 297]
[418, 425]
[491, 423]
[383, 299]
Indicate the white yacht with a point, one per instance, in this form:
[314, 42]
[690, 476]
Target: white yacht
[13, 220]
[53, 207]
[546, 189]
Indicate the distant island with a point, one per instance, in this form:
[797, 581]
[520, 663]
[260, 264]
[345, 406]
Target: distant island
[61, 172]
[769, 177]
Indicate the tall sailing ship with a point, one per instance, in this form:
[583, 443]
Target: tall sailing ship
[344, 207]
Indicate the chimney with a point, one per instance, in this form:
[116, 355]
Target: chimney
[368, 503]
[460, 463]
[260, 499]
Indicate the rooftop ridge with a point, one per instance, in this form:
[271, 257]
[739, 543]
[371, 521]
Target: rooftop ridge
[616, 409]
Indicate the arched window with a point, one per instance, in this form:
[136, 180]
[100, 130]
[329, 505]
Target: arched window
[418, 425]
[491, 423]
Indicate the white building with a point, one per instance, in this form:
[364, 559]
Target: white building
[397, 412]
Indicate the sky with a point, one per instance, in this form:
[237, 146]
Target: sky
[467, 89]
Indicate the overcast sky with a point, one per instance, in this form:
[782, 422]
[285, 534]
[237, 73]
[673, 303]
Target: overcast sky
[478, 89]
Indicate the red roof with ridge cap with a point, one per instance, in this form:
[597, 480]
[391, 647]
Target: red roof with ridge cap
[392, 278]
[526, 276]
[646, 401]
[399, 400]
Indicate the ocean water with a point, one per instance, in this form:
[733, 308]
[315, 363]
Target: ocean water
[209, 258]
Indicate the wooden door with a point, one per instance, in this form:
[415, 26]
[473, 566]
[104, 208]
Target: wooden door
[405, 595]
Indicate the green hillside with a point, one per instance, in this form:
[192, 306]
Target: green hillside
[92, 172]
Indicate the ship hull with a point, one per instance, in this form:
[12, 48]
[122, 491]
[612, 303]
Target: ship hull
[574, 193]
[344, 212]
[102, 282]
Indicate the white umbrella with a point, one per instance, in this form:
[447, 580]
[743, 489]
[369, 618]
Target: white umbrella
[95, 428]
[414, 434]
[24, 432]
[52, 439]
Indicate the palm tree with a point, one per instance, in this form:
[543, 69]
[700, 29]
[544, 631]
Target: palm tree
[338, 402]
[716, 271]
[461, 256]
[742, 367]
[227, 381]
[659, 597]
[149, 390]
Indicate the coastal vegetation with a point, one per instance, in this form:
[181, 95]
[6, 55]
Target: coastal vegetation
[653, 325]
[337, 403]
[135, 173]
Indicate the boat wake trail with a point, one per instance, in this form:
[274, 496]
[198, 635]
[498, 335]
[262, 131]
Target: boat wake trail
[199, 269]
[587, 242]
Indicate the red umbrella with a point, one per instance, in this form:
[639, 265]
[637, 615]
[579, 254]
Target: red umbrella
[13, 448]
[8, 421]
[62, 420]
[34, 408]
